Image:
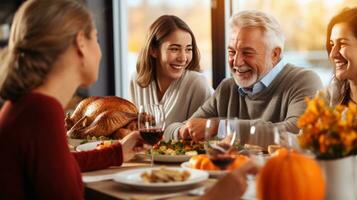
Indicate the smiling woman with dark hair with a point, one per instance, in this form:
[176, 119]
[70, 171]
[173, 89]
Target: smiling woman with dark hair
[341, 45]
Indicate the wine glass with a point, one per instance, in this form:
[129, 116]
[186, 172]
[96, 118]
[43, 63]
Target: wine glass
[261, 137]
[283, 139]
[151, 125]
[258, 140]
[220, 135]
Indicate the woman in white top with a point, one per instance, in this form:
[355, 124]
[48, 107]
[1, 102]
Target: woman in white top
[167, 71]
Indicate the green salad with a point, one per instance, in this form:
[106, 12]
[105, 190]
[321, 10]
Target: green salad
[94, 139]
[181, 147]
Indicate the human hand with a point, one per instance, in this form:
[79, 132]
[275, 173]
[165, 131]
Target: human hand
[233, 185]
[241, 173]
[131, 144]
[184, 133]
[196, 128]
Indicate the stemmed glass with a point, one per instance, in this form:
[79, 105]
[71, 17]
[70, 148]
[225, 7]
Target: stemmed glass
[220, 135]
[265, 134]
[258, 139]
[151, 125]
[266, 138]
[282, 138]
[261, 136]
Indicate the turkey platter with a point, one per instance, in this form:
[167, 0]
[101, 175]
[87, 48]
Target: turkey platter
[108, 116]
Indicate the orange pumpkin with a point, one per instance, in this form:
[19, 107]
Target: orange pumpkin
[239, 161]
[195, 161]
[290, 176]
[207, 164]
[282, 150]
[202, 162]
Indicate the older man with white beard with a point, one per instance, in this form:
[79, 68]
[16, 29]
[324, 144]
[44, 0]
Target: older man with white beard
[264, 88]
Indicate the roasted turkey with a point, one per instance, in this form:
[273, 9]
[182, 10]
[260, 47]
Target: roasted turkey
[108, 116]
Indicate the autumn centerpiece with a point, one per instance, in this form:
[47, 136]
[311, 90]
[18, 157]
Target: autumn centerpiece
[329, 132]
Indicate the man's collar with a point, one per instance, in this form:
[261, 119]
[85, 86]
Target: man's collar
[265, 81]
[270, 76]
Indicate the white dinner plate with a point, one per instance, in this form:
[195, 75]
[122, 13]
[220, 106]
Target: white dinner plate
[90, 145]
[87, 146]
[132, 178]
[74, 142]
[166, 158]
[212, 173]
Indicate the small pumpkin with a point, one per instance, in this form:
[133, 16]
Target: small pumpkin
[239, 161]
[207, 164]
[290, 176]
[202, 162]
[282, 150]
[195, 161]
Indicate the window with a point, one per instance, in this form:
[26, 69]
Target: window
[304, 23]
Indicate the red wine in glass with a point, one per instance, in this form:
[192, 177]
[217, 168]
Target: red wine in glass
[221, 154]
[222, 160]
[152, 135]
[151, 125]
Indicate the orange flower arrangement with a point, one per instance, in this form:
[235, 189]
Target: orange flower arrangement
[329, 132]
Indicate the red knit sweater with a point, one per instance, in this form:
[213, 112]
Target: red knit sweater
[36, 162]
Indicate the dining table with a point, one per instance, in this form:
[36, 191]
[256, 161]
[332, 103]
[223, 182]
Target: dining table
[100, 184]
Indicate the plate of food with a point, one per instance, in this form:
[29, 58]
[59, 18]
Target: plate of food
[95, 145]
[167, 158]
[88, 139]
[160, 178]
[175, 151]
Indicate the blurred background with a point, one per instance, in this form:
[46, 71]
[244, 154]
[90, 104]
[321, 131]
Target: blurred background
[123, 24]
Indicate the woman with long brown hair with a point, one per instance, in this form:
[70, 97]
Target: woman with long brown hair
[167, 70]
[52, 50]
[341, 45]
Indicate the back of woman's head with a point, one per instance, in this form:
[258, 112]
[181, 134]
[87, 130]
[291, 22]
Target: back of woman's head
[42, 30]
[158, 31]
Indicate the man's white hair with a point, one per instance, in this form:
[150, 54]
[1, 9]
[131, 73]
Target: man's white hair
[269, 25]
